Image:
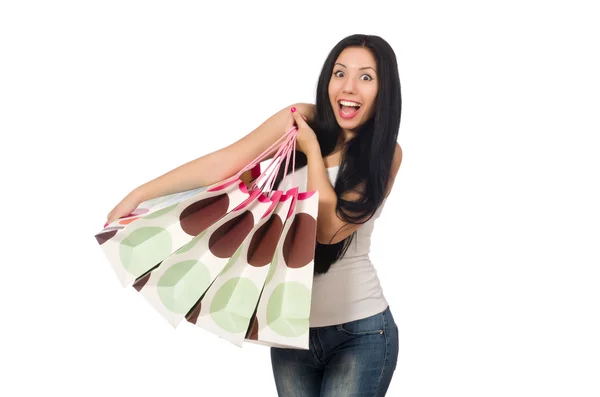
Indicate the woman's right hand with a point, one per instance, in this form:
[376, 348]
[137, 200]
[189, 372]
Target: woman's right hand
[123, 209]
[308, 112]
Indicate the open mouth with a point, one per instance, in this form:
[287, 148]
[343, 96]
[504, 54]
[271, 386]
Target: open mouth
[348, 109]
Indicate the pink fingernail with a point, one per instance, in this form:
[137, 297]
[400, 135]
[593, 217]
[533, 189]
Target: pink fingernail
[293, 110]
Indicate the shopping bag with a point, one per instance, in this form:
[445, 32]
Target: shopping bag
[227, 275]
[178, 282]
[228, 305]
[157, 228]
[283, 312]
[138, 242]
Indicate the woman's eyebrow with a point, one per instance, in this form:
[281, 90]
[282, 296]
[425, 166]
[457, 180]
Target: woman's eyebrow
[366, 67]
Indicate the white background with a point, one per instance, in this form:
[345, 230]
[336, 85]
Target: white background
[488, 248]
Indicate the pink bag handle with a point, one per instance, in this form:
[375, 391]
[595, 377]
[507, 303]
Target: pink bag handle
[273, 169]
[276, 160]
[289, 150]
[292, 150]
[281, 145]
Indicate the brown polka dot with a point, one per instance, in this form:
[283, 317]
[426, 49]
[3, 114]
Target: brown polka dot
[197, 217]
[228, 237]
[300, 241]
[263, 243]
[139, 283]
[252, 333]
[193, 314]
[103, 237]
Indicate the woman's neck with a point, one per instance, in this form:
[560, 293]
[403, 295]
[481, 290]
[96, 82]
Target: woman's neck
[345, 136]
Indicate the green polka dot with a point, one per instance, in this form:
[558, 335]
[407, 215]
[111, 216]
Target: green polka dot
[158, 213]
[232, 260]
[272, 268]
[288, 309]
[144, 248]
[182, 285]
[191, 244]
[234, 304]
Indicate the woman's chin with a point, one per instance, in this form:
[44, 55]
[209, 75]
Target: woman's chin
[349, 125]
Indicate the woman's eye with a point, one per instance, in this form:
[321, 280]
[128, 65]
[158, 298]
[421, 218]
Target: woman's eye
[366, 77]
[339, 73]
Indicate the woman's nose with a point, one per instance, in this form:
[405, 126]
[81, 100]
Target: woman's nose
[349, 86]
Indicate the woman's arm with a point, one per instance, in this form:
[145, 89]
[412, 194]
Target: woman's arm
[330, 228]
[223, 163]
[213, 167]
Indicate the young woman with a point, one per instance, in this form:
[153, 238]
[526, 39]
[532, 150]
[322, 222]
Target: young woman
[348, 152]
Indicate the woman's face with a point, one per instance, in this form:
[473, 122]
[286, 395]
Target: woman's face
[353, 87]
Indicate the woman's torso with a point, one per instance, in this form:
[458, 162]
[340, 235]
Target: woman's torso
[350, 290]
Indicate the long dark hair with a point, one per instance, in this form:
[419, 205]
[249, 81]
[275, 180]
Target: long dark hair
[368, 156]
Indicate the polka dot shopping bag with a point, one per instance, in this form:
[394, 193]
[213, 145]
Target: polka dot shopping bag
[207, 254]
[283, 312]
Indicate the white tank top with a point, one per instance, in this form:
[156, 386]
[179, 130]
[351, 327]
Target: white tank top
[350, 290]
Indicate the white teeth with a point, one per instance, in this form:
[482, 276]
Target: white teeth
[346, 103]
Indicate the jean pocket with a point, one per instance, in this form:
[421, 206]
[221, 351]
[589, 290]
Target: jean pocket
[373, 325]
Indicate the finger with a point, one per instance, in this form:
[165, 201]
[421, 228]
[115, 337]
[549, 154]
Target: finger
[296, 111]
[299, 118]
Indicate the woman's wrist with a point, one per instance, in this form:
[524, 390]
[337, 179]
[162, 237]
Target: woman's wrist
[139, 194]
[313, 152]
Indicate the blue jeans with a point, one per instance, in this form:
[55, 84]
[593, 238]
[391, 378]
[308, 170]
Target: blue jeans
[354, 359]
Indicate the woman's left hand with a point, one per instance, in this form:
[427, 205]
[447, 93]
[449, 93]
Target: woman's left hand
[306, 139]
